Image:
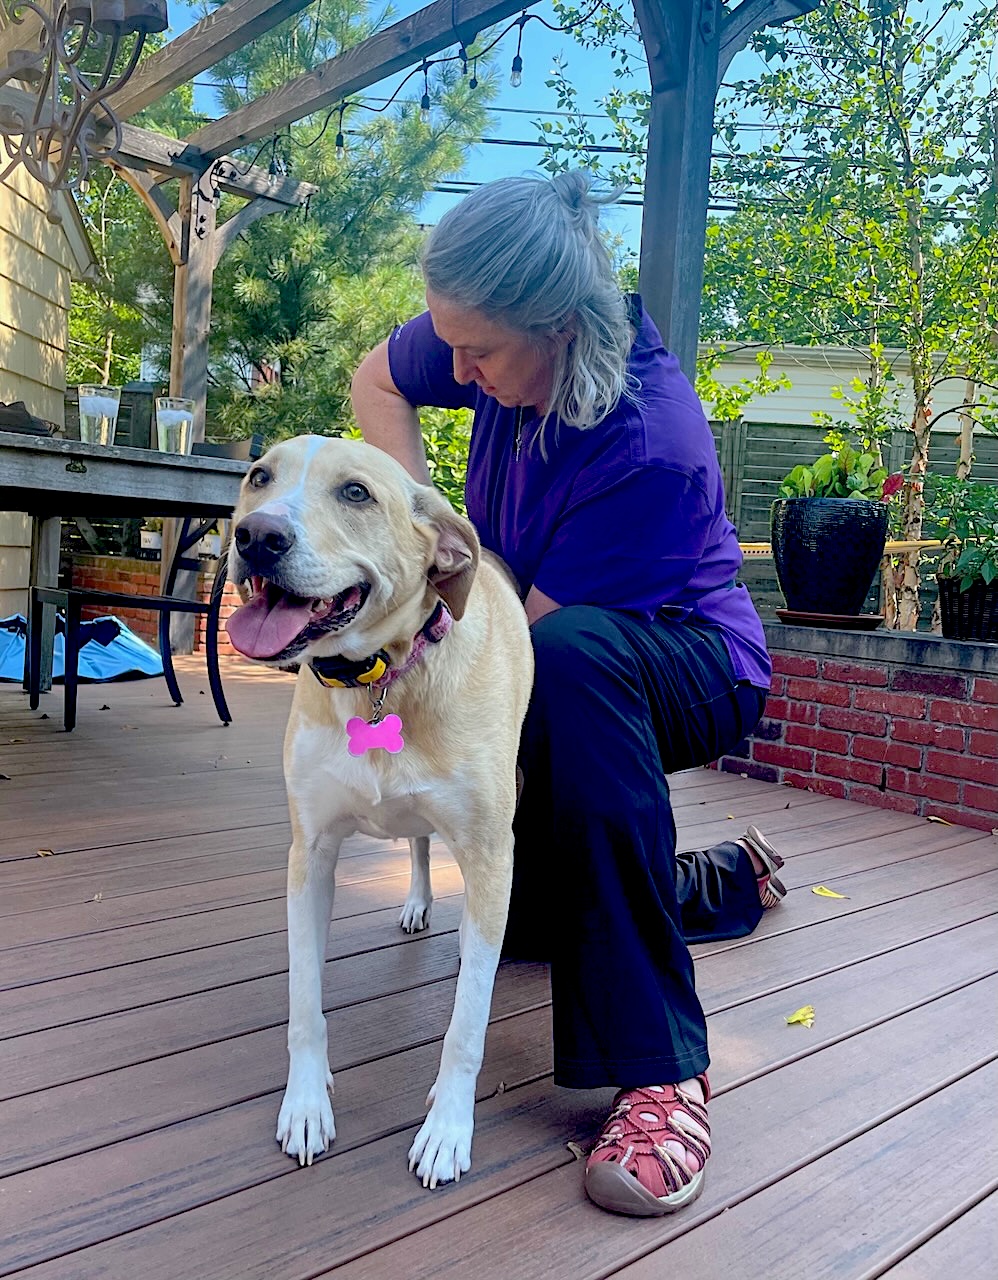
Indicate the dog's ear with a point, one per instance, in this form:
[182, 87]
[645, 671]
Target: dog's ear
[456, 548]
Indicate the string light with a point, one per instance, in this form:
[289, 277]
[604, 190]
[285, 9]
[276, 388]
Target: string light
[424, 102]
[341, 147]
[462, 53]
[516, 74]
[473, 82]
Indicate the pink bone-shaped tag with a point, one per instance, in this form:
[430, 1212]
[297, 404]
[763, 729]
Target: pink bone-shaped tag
[365, 737]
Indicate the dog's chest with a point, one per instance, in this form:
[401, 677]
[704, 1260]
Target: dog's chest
[381, 795]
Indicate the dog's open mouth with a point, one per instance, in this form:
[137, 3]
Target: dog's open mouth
[275, 625]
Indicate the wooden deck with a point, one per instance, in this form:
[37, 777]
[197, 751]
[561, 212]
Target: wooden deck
[142, 1020]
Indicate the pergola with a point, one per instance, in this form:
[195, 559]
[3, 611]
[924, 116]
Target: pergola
[689, 44]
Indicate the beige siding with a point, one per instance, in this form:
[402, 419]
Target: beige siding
[35, 267]
[814, 372]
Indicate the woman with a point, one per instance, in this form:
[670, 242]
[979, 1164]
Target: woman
[592, 472]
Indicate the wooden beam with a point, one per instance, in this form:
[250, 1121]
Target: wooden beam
[401, 45]
[173, 157]
[164, 213]
[19, 35]
[751, 16]
[227, 28]
[226, 232]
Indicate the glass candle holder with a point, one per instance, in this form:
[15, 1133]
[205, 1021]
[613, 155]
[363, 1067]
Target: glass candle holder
[99, 414]
[174, 424]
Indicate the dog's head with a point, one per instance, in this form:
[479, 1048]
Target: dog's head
[331, 538]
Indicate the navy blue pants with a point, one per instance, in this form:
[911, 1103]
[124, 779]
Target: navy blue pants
[617, 704]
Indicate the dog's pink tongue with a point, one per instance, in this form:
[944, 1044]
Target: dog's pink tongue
[261, 630]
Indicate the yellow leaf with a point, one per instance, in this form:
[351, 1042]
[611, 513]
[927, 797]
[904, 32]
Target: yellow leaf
[731, 817]
[805, 1016]
[942, 821]
[45, 853]
[824, 892]
[576, 1150]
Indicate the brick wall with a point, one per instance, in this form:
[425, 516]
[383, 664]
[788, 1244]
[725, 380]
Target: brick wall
[901, 721]
[141, 577]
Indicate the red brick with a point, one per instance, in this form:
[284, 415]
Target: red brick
[823, 786]
[985, 691]
[981, 798]
[963, 817]
[983, 772]
[946, 737]
[946, 790]
[906, 680]
[853, 721]
[801, 735]
[836, 695]
[974, 716]
[984, 744]
[789, 664]
[853, 770]
[884, 752]
[776, 686]
[786, 757]
[882, 799]
[910, 705]
[853, 673]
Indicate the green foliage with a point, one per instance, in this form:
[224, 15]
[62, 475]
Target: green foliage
[964, 515]
[847, 473]
[727, 402]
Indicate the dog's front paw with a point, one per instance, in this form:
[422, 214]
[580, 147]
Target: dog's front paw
[305, 1126]
[441, 1151]
[415, 913]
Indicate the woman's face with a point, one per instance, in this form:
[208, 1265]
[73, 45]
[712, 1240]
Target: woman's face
[504, 363]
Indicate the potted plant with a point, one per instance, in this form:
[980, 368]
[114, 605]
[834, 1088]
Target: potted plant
[210, 544]
[828, 530]
[151, 537]
[964, 515]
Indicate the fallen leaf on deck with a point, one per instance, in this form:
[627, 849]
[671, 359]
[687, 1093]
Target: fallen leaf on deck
[45, 853]
[731, 817]
[932, 818]
[98, 897]
[824, 892]
[105, 707]
[576, 1150]
[4, 777]
[805, 1016]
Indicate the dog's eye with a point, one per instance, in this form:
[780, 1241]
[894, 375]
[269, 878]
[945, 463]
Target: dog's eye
[258, 477]
[354, 491]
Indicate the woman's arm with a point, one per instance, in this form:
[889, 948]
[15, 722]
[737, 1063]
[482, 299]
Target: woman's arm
[386, 419]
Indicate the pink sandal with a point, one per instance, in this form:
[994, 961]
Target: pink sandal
[629, 1169]
[771, 890]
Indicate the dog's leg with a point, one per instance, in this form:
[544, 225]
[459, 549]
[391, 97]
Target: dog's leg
[441, 1151]
[305, 1123]
[416, 909]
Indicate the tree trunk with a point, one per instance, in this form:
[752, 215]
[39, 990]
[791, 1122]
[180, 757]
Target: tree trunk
[108, 348]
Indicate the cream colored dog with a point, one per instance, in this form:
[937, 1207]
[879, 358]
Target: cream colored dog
[344, 560]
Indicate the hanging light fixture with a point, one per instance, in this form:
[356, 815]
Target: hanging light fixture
[85, 52]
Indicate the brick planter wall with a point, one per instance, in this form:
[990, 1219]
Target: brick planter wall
[893, 719]
[117, 573]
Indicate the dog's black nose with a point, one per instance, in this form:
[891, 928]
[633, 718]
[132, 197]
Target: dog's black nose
[262, 539]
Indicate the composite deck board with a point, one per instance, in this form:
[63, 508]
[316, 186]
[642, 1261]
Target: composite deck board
[142, 1054]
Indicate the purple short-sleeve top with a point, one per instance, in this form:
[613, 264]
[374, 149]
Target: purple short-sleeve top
[628, 514]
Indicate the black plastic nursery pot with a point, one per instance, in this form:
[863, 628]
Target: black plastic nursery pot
[827, 551]
[970, 614]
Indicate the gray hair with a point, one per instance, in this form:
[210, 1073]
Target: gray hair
[527, 253]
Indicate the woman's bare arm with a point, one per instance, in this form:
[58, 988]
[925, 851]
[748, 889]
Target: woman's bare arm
[386, 419]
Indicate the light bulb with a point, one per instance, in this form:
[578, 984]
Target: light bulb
[516, 75]
[341, 147]
[424, 108]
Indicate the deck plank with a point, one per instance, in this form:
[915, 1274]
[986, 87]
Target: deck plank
[143, 997]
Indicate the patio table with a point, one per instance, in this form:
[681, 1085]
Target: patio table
[50, 478]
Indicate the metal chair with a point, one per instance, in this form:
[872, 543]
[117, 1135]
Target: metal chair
[72, 600]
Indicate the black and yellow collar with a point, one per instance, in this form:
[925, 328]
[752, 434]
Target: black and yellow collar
[376, 670]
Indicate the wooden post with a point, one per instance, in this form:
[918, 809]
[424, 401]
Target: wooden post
[192, 281]
[683, 41]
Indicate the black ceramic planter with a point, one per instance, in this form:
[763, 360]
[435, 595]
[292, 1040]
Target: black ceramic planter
[827, 551]
[970, 614]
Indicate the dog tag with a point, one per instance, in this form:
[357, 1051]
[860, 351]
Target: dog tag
[364, 736]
